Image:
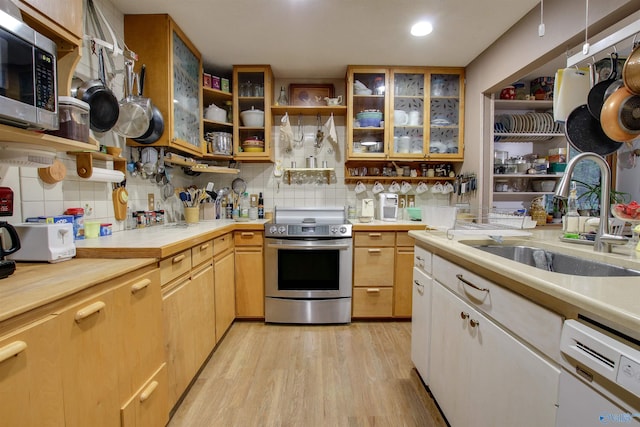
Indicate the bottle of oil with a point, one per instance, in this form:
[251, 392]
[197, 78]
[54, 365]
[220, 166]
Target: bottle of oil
[260, 207]
[572, 218]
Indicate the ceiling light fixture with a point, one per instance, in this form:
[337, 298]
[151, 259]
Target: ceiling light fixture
[421, 29]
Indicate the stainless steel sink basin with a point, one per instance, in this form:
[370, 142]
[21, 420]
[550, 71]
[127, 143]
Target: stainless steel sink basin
[556, 261]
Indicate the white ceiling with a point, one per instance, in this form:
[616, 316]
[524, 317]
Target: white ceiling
[318, 38]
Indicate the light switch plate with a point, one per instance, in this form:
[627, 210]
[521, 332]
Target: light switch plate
[151, 201]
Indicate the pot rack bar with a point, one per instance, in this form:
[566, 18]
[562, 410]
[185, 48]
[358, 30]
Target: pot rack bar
[604, 44]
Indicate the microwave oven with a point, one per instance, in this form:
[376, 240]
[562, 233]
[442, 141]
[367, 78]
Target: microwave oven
[28, 76]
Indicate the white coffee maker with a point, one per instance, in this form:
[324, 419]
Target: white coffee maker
[387, 206]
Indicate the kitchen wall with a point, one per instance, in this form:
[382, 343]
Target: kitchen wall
[32, 197]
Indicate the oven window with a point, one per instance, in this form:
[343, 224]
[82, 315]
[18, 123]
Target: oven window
[308, 270]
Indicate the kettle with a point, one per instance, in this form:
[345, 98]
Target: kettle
[7, 267]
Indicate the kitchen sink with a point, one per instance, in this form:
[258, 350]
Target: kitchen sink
[556, 261]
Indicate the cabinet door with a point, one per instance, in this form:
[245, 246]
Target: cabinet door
[402, 286]
[203, 304]
[249, 276]
[421, 322]
[481, 375]
[252, 89]
[140, 341]
[373, 266]
[67, 13]
[30, 376]
[366, 92]
[408, 115]
[88, 347]
[148, 406]
[446, 113]
[225, 297]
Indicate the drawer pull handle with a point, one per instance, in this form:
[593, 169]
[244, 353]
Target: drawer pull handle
[464, 315]
[247, 234]
[466, 282]
[138, 286]
[204, 246]
[373, 290]
[473, 323]
[147, 392]
[13, 349]
[375, 234]
[89, 310]
[178, 259]
[374, 251]
[420, 287]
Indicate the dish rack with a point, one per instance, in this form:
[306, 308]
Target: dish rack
[493, 223]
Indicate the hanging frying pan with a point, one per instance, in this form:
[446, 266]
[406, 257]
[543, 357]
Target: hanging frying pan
[620, 117]
[631, 70]
[595, 99]
[156, 122]
[585, 134]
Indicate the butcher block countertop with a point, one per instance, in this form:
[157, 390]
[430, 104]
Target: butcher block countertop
[33, 285]
[613, 301]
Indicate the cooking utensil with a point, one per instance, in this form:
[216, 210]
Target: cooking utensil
[104, 109]
[620, 117]
[135, 111]
[631, 70]
[239, 186]
[585, 134]
[573, 89]
[156, 122]
[595, 99]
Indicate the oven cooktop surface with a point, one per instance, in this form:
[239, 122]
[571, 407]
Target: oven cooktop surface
[309, 222]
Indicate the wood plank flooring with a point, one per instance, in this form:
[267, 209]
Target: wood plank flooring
[288, 376]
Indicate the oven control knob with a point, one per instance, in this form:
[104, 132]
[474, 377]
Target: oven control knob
[343, 229]
[282, 229]
[273, 229]
[333, 230]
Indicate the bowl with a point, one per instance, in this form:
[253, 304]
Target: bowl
[544, 185]
[369, 118]
[365, 218]
[252, 118]
[253, 145]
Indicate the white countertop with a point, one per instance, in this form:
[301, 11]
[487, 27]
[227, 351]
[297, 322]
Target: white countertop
[611, 300]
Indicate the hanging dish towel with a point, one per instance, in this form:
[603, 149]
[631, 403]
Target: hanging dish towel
[572, 92]
[286, 133]
[331, 128]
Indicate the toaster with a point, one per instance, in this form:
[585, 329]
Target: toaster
[44, 242]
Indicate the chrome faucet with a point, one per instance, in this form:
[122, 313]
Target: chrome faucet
[604, 239]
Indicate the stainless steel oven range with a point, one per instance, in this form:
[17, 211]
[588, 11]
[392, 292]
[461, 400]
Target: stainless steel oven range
[308, 266]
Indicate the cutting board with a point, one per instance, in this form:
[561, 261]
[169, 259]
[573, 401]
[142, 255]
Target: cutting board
[571, 90]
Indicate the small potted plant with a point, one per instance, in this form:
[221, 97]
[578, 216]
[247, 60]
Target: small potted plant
[589, 197]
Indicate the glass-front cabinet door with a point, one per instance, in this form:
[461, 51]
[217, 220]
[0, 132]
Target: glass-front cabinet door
[446, 113]
[408, 115]
[252, 93]
[367, 117]
[187, 70]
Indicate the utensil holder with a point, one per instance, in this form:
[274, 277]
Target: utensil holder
[192, 214]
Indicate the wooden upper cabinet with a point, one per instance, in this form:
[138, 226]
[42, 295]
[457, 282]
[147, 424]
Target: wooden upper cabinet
[173, 78]
[67, 14]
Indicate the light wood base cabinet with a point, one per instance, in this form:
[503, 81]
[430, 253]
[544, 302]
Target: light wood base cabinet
[249, 274]
[403, 279]
[225, 297]
[148, 406]
[30, 377]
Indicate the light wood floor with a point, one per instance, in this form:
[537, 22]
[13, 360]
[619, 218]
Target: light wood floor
[275, 375]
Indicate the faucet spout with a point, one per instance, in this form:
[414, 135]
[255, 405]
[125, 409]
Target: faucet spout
[604, 239]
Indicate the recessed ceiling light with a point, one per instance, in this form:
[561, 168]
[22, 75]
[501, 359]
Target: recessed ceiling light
[421, 29]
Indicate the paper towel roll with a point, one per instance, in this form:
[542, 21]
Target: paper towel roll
[102, 175]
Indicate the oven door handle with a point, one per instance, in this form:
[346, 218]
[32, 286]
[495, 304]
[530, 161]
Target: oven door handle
[306, 246]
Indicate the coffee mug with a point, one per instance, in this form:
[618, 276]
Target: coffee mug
[437, 188]
[394, 187]
[360, 187]
[447, 188]
[421, 188]
[400, 117]
[378, 188]
[404, 143]
[405, 187]
[414, 118]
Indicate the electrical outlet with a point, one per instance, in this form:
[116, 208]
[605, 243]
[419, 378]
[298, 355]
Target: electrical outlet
[151, 201]
[411, 200]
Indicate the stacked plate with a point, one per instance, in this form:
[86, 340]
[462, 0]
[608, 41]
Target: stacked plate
[530, 126]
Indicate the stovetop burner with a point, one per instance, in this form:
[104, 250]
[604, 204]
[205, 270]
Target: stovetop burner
[324, 222]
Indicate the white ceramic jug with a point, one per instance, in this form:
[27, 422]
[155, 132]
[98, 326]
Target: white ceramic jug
[400, 117]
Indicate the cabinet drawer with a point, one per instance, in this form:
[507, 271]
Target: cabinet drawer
[174, 266]
[373, 266]
[222, 243]
[372, 302]
[374, 238]
[247, 238]
[535, 324]
[149, 406]
[202, 252]
[403, 239]
[422, 259]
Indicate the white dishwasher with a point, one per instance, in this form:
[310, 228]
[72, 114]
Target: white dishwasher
[600, 379]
